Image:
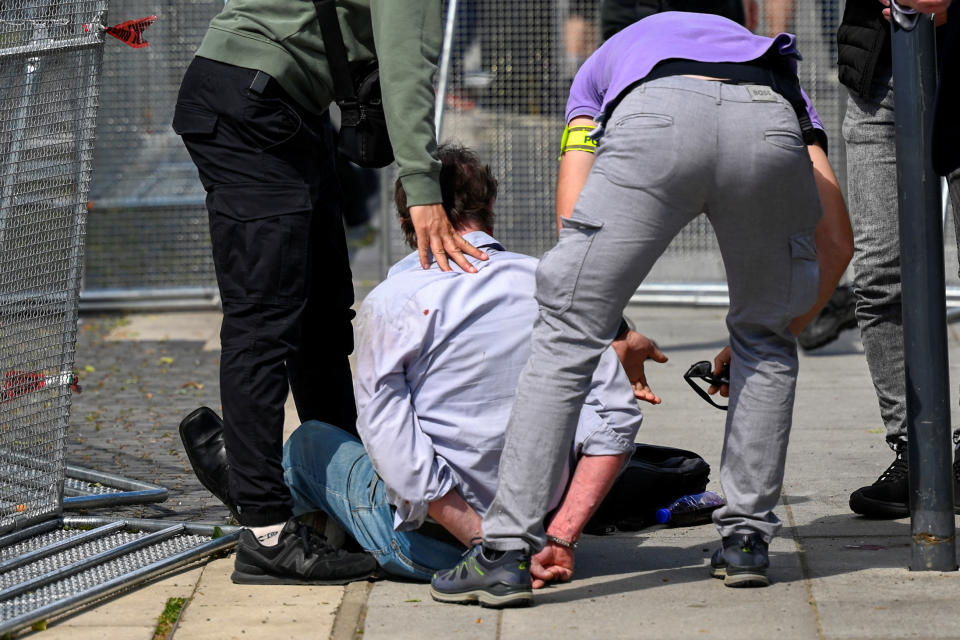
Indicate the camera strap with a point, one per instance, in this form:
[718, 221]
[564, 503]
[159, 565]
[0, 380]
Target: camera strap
[336, 51]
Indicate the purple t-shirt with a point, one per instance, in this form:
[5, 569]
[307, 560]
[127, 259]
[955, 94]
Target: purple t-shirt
[631, 54]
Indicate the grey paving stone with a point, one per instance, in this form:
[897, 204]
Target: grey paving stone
[405, 611]
[125, 419]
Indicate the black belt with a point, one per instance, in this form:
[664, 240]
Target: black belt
[741, 72]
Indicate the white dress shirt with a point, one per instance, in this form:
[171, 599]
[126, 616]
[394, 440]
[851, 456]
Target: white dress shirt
[438, 359]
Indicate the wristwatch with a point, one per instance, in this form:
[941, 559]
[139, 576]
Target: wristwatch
[561, 542]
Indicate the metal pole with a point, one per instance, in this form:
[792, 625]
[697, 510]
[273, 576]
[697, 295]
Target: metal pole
[924, 305]
[443, 76]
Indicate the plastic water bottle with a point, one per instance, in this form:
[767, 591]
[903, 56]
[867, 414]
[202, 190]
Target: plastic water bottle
[690, 510]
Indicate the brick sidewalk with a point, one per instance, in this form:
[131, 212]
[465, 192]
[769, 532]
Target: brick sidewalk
[125, 419]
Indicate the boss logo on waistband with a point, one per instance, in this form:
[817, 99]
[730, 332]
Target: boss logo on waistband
[762, 94]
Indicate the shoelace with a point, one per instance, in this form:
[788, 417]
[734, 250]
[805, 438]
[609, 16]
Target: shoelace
[463, 558]
[314, 542]
[897, 470]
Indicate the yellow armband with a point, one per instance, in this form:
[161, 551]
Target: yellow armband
[578, 139]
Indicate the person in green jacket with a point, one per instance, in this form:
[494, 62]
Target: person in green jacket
[252, 114]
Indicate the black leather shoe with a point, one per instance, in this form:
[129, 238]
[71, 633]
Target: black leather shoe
[889, 496]
[839, 315]
[742, 561]
[202, 435]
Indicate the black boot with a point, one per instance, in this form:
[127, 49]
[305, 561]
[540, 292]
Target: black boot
[956, 481]
[889, 496]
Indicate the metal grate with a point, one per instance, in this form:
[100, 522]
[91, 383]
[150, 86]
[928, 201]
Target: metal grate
[147, 228]
[62, 564]
[78, 487]
[88, 489]
[49, 69]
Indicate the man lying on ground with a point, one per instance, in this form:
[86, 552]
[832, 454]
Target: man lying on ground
[438, 358]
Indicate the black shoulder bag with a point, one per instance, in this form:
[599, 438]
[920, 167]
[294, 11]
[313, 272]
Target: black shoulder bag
[653, 478]
[363, 137]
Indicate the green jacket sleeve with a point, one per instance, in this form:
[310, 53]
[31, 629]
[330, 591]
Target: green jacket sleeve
[407, 35]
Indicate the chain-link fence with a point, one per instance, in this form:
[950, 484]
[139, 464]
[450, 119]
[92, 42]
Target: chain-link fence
[507, 91]
[147, 235]
[512, 65]
[510, 69]
[49, 72]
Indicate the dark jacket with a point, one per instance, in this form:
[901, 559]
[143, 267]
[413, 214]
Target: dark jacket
[946, 123]
[863, 46]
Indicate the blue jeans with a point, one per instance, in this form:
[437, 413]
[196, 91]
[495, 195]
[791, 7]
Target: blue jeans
[328, 470]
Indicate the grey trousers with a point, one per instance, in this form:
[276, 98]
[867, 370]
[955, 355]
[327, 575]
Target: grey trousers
[673, 148]
[868, 129]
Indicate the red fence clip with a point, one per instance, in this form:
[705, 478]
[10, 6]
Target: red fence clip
[131, 31]
[19, 383]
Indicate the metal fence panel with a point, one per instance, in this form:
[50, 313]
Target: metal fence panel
[49, 69]
[147, 228]
[511, 68]
[64, 563]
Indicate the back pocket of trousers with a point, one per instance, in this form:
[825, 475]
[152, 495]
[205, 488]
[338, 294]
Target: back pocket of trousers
[640, 151]
[261, 235]
[804, 273]
[559, 271]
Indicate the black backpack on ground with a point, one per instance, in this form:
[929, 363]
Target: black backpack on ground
[655, 476]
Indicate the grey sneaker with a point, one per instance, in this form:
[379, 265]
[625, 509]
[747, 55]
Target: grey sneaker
[742, 561]
[491, 578]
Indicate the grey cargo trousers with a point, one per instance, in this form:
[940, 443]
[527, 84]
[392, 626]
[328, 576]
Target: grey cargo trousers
[674, 147]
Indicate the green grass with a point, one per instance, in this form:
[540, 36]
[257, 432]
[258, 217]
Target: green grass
[168, 619]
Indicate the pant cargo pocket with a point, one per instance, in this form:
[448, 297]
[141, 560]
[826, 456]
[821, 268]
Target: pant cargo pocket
[804, 273]
[559, 270]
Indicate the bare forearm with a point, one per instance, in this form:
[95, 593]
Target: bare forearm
[457, 517]
[574, 169]
[834, 236]
[591, 482]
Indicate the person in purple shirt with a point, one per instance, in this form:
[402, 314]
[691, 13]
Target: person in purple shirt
[678, 114]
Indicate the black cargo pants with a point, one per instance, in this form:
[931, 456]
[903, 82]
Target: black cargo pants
[282, 267]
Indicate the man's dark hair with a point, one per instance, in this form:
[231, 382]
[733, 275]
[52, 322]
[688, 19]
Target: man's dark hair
[468, 189]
